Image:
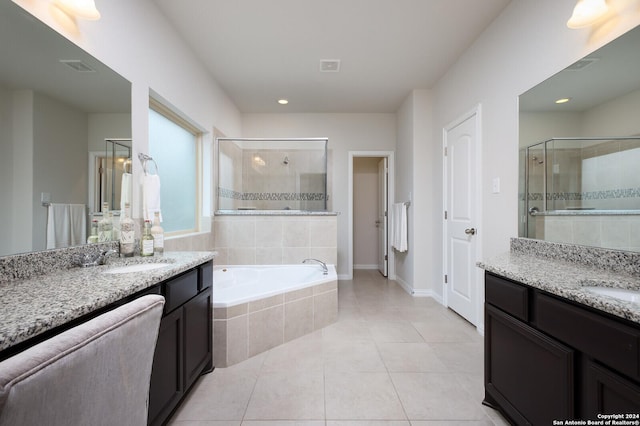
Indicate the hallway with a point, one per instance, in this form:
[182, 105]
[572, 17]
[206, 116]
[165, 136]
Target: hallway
[391, 359]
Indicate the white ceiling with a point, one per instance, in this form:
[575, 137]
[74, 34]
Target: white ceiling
[262, 50]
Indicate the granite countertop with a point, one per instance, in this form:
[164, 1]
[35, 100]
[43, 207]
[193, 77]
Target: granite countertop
[567, 279]
[34, 305]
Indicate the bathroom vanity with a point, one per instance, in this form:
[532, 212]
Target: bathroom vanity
[37, 307]
[554, 348]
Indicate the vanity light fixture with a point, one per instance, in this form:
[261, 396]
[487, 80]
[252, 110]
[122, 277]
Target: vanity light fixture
[563, 100]
[586, 13]
[283, 101]
[83, 9]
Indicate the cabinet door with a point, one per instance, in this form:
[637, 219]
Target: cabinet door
[528, 374]
[609, 393]
[197, 336]
[167, 381]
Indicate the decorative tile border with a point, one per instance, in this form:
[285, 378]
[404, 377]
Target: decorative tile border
[590, 195]
[271, 196]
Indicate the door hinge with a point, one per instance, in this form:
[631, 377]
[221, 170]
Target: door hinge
[445, 215]
[446, 278]
[386, 257]
[445, 151]
[385, 213]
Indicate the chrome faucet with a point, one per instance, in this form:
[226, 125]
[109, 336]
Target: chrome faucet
[325, 270]
[102, 259]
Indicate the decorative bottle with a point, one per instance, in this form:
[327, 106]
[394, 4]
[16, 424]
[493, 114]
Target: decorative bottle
[146, 242]
[127, 232]
[158, 234]
[93, 236]
[105, 227]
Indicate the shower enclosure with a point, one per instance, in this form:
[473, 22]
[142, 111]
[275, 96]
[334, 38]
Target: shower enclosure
[577, 177]
[272, 174]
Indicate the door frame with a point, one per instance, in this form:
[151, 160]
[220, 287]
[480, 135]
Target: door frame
[390, 196]
[477, 111]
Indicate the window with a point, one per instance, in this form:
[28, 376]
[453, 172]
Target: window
[174, 145]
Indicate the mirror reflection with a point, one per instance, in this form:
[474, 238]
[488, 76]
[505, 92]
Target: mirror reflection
[58, 105]
[580, 150]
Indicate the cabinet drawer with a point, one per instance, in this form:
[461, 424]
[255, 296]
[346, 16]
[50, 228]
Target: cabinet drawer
[180, 289]
[510, 297]
[608, 341]
[205, 276]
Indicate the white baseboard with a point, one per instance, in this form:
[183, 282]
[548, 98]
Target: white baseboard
[365, 266]
[344, 277]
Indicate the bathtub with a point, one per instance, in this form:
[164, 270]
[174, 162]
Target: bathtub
[256, 308]
[233, 285]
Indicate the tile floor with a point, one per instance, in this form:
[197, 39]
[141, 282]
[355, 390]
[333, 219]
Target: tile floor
[391, 359]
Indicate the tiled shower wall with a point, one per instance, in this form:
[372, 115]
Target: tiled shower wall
[620, 232]
[269, 179]
[275, 240]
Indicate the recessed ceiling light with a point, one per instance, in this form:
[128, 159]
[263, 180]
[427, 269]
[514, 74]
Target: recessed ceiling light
[283, 101]
[563, 100]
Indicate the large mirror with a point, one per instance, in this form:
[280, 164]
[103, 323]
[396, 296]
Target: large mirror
[579, 159]
[58, 105]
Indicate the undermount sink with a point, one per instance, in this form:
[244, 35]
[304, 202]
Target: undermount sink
[618, 293]
[138, 267]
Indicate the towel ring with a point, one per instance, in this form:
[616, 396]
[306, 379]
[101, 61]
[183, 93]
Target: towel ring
[144, 159]
[126, 166]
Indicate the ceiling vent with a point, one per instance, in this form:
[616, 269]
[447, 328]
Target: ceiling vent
[330, 65]
[77, 65]
[582, 64]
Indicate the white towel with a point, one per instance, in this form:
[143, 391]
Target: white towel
[78, 228]
[399, 227]
[151, 196]
[58, 226]
[66, 225]
[125, 191]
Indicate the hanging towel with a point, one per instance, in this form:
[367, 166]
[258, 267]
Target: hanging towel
[151, 196]
[58, 226]
[66, 225]
[78, 227]
[399, 228]
[125, 190]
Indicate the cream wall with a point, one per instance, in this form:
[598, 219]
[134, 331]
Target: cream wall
[510, 57]
[135, 40]
[346, 132]
[6, 167]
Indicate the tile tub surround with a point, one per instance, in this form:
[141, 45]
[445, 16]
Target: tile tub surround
[564, 269]
[34, 305]
[275, 237]
[248, 329]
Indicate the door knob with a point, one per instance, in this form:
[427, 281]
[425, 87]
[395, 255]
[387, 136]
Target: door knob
[470, 231]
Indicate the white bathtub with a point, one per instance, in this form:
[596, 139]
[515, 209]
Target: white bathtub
[256, 308]
[233, 285]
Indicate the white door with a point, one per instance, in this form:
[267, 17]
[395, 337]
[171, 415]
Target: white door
[461, 241]
[381, 221]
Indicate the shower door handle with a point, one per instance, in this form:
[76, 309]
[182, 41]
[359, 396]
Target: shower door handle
[470, 231]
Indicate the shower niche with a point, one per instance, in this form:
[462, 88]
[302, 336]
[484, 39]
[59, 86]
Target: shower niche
[272, 174]
[593, 180]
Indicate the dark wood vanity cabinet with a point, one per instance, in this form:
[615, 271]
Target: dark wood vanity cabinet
[185, 342]
[547, 358]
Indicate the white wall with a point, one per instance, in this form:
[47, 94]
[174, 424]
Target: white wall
[346, 132]
[104, 126]
[525, 45]
[618, 117]
[135, 40]
[365, 212]
[6, 168]
[59, 159]
[415, 180]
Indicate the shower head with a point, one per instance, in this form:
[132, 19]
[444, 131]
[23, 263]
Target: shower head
[534, 158]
